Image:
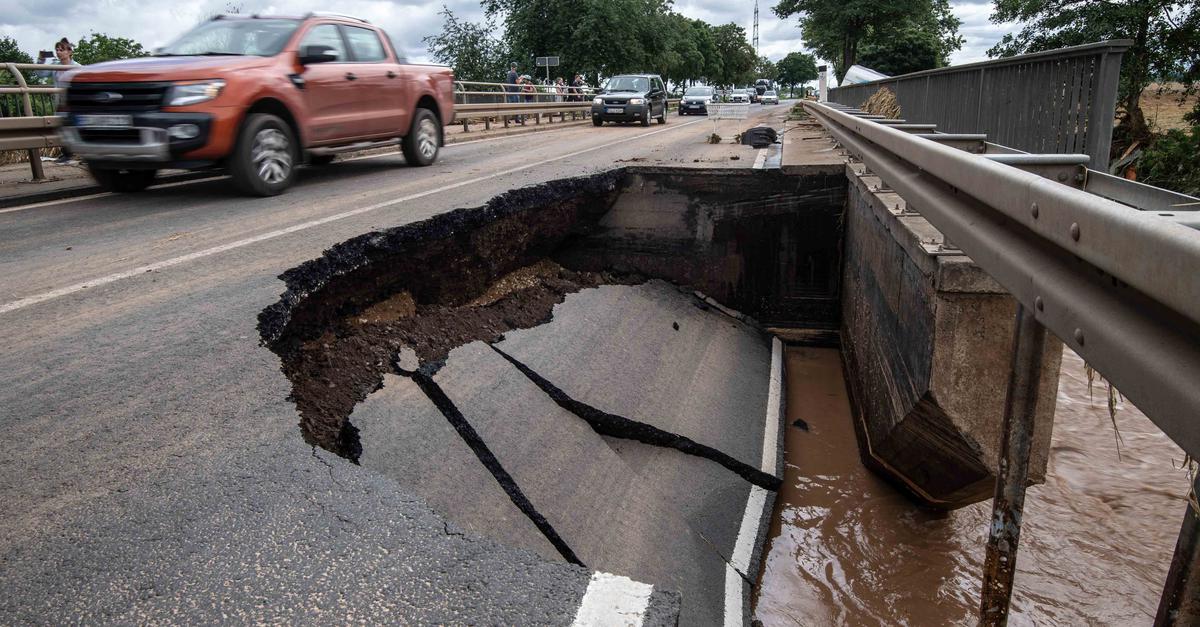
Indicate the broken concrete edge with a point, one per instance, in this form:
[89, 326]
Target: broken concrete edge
[663, 609]
[618, 600]
[779, 419]
[949, 272]
[348, 256]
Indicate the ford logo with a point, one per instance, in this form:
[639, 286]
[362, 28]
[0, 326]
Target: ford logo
[107, 96]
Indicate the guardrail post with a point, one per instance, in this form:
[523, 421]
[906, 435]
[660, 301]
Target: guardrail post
[1020, 408]
[35, 154]
[1180, 603]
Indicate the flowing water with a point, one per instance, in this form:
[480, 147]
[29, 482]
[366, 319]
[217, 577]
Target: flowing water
[846, 549]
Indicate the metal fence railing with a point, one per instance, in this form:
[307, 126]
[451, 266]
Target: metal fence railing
[1058, 101]
[27, 119]
[1116, 284]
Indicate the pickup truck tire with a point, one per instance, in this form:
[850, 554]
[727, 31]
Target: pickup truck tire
[122, 181]
[597, 122]
[264, 160]
[420, 146]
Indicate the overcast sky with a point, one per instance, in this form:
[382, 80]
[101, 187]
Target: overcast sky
[37, 24]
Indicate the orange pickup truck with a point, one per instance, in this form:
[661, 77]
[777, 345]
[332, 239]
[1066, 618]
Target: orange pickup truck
[257, 96]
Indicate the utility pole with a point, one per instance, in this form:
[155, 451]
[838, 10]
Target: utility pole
[756, 31]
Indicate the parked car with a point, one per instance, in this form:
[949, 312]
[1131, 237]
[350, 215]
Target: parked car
[738, 95]
[770, 97]
[257, 96]
[695, 100]
[631, 98]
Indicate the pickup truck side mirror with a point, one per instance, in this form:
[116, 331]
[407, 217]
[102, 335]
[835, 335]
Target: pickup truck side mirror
[317, 54]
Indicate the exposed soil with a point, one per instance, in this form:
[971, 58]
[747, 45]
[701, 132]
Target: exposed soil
[335, 371]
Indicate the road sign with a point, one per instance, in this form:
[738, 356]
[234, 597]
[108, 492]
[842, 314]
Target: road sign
[547, 61]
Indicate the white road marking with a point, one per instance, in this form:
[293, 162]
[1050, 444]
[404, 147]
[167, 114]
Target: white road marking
[756, 503]
[761, 159]
[613, 600]
[101, 195]
[62, 201]
[167, 263]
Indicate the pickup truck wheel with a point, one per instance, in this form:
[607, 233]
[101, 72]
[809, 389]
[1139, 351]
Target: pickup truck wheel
[264, 160]
[122, 181]
[420, 146]
[597, 122]
[320, 159]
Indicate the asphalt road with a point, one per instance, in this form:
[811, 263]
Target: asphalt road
[153, 468]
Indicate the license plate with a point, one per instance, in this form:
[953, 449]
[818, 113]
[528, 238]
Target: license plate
[110, 121]
[692, 106]
[615, 110]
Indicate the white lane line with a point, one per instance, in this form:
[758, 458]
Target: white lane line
[756, 503]
[613, 600]
[159, 265]
[761, 159]
[63, 201]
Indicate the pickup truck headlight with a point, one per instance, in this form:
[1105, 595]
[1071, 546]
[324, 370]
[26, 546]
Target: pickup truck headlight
[597, 100]
[184, 94]
[637, 101]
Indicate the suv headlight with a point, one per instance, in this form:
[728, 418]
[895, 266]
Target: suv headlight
[597, 100]
[184, 94]
[637, 101]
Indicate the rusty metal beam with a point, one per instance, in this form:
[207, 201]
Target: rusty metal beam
[1020, 408]
[1180, 603]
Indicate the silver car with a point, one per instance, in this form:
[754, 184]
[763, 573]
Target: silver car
[770, 97]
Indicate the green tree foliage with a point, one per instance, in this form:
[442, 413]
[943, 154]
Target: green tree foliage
[469, 48]
[737, 56]
[600, 38]
[921, 42]
[100, 48]
[837, 29]
[797, 68]
[10, 52]
[1171, 161]
[765, 68]
[1165, 34]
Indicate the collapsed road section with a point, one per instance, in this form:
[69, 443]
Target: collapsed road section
[579, 368]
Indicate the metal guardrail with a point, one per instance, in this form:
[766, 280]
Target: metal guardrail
[29, 132]
[1058, 101]
[1118, 285]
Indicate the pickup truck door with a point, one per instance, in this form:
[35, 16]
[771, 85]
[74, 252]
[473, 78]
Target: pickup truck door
[331, 92]
[381, 83]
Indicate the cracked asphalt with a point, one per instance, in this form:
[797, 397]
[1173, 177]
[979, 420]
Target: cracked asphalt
[153, 468]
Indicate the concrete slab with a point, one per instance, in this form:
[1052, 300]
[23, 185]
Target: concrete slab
[617, 348]
[613, 518]
[406, 438]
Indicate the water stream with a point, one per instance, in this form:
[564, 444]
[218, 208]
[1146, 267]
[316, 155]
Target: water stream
[844, 548]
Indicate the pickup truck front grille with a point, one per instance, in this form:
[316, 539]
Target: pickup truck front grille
[616, 101]
[97, 97]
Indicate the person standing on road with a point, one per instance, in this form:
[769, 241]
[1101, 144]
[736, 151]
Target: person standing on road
[511, 92]
[560, 89]
[64, 54]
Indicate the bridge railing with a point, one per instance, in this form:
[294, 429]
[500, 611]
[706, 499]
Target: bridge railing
[1109, 268]
[27, 119]
[1057, 101]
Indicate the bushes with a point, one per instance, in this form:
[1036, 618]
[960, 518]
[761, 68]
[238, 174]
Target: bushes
[1173, 161]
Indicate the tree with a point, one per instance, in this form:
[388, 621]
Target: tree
[835, 29]
[469, 48]
[765, 68]
[737, 56]
[100, 48]
[797, 68]
[10, 52]
[1165, 34]
[921, 42]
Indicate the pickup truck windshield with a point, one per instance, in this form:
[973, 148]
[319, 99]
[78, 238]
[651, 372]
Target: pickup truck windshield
[263, 38]
[698, 91]
[628, 83]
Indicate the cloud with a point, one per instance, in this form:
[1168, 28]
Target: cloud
[38, 23]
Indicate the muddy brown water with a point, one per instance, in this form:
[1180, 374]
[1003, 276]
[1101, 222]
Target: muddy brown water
[844, 548]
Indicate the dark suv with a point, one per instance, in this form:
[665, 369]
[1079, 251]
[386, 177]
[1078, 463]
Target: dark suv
[631, 98]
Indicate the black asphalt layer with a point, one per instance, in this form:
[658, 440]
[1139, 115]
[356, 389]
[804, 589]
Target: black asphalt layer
[153, 470]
